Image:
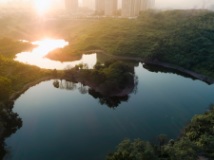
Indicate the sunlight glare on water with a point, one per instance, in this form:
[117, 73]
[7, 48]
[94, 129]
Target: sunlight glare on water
[47, 45]
[37, 56]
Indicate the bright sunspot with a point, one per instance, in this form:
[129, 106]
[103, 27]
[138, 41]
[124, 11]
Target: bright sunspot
[42, 6]
[47, 45]
[43, 47]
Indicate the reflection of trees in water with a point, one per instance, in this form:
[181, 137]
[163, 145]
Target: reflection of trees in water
[83, 89]
[62, 84]
[135, 84]
[156, 69]
[111, 82]
[68, 85]
[10, 122]
[111, 102]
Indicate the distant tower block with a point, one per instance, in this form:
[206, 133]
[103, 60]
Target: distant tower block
[110, 7]
[106, 7]
[131, 8]
[99, 7]
[72, 5]
[90, 4]
[147, 4]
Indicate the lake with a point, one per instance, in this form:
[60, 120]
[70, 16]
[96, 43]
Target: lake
[38, 57]
[67, 123]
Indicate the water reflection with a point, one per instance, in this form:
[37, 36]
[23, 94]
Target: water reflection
[104, 88]
[10, 123]
[156, 69]
[42, 48]
[64, 124]
[110, 101]
[69, 85]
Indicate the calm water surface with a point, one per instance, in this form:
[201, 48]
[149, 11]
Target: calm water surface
[66, 124]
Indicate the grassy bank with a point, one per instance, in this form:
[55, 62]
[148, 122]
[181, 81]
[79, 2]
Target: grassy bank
[15, 75]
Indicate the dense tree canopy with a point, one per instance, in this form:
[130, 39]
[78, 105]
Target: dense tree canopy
[181, 37]
[197, 140]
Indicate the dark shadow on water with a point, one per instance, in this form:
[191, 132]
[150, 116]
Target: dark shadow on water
[10, 122]
[156, 69]
[111, 102]
[111, 82]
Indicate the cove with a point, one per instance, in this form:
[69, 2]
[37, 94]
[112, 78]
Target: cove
[67, 123]
[37, 56]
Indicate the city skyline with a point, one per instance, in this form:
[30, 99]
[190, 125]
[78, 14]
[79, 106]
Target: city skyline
[71, 5]
[159, 4]
[111, 7]
[132, 8]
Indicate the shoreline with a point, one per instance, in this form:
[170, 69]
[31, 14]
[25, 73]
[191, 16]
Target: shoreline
[16, 94]
[156, 62]
[11, 100]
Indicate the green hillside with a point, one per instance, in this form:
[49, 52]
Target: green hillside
[181, 37]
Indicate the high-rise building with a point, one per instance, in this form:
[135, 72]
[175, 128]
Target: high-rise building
[147, 4]
[132, 8]
[110, 7]
[99, 7]
[90, 4]
[106, 7]
[72, 5]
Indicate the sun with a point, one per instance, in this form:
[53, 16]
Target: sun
[42, 6]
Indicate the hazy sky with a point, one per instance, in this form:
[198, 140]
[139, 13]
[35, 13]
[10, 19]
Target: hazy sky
[160, 4]
[184, 4]
[180, 4]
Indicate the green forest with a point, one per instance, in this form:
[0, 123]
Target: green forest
[180, 37]
[14, 75]
[197, 140]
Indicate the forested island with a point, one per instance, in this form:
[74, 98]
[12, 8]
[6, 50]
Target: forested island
[183, 38]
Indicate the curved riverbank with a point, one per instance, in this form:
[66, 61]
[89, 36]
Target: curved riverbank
[7, 107]
[15, 95]
[156, 62]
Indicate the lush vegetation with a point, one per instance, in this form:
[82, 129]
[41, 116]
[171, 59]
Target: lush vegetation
[110, 82]
[180, 37]
[183, 38]
[197, 140]
[13, 77]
